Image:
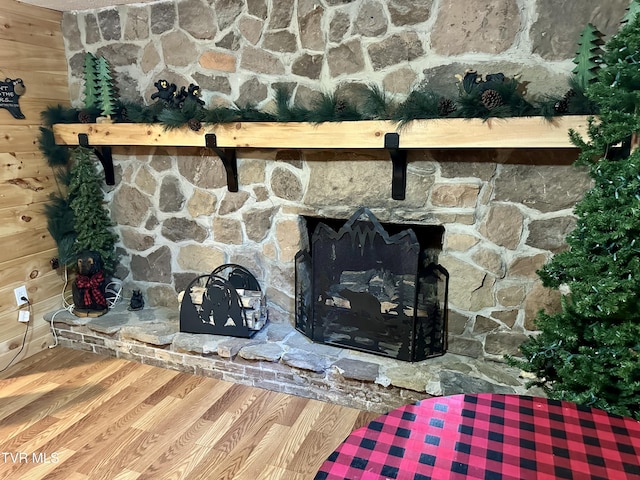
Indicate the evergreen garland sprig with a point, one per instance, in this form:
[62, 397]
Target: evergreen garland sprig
[58, 114]
[420, 104]
[330, 107]
[250, 113]
[378, 104]
[286, 110]
[60, 223]
[56, 155]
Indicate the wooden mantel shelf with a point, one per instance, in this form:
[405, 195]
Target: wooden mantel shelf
[515, 132]
[224, 139]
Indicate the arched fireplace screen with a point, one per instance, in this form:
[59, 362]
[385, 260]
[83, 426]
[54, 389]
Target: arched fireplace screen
[373, 288]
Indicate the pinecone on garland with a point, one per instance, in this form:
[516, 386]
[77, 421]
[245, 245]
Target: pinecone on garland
[491, 99]
[341, 106]
[194, 124]
[84, 117]
[446, 106]
[561, 106]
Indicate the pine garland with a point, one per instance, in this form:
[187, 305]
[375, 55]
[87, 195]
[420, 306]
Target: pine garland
[60, 223]
[420, 103]
[286, 110]
[56, 155]
[378, 104]
[331, 107]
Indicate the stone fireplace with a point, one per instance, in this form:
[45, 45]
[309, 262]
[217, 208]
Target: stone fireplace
[501, 215]
[504, 213]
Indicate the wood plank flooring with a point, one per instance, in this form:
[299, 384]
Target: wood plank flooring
[73, 415]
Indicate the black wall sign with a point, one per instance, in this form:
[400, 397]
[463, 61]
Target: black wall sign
[10, 91]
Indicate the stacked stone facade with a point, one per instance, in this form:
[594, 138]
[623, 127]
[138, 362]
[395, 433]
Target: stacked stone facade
[505, 212]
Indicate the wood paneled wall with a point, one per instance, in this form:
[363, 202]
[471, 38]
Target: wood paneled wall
[31, 48]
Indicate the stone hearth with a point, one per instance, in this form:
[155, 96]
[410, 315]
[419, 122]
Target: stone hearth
[280, 358]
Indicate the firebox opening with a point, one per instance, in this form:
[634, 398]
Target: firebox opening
[371, 286]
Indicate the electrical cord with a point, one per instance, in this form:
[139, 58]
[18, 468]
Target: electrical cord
[113, 292]
[113, 295]
[66, 307]
[24, 338]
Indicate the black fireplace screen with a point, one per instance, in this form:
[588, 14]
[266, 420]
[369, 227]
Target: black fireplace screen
[365, 288]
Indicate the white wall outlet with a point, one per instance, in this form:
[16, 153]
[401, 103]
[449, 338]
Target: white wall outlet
[19, 293]
[23, 316]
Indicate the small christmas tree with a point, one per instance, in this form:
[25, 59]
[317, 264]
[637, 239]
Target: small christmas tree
[91, 218]
[589, 353]
[90, 81]
[106, 93]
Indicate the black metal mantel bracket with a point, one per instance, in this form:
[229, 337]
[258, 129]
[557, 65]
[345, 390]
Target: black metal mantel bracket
[399, 163]
[229, 160]
[104, 155]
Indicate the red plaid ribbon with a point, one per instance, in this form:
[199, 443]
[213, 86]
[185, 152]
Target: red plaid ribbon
[92, 288]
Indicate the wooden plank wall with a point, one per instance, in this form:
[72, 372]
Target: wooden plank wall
[31, 48]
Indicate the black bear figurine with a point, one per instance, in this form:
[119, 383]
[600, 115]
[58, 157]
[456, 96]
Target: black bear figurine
[137, 301]
[166, 91]
[89, 287]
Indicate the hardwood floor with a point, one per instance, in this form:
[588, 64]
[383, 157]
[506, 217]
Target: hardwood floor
[68, 414]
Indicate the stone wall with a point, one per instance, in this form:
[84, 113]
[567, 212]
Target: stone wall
[505, 212]
[237, 50]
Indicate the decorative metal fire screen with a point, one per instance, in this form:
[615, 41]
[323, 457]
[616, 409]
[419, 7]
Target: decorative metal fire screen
[229, 301]
[363, 288]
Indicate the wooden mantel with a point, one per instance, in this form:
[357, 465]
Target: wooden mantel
[516, 132]
[224, 139]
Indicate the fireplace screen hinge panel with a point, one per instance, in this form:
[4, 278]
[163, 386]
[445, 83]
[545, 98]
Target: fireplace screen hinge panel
[364, 289]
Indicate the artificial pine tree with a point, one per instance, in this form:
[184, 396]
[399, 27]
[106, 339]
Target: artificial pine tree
[91, 218]
[589, 352]
[106, 93]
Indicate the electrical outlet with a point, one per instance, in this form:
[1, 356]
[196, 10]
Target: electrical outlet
[23, 316]
[19, 293]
